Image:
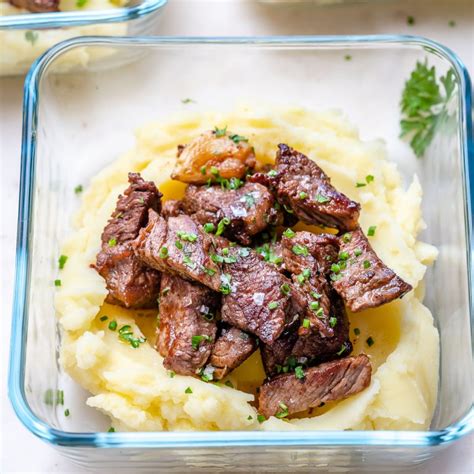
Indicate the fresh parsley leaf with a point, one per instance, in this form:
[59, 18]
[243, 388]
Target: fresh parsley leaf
[424, 106]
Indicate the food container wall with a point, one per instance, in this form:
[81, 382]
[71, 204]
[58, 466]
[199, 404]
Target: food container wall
[25, 37]
[65, 144]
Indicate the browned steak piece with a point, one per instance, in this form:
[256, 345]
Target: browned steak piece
[364, 281]
[130, 283]
[309, 258]
[257, 299]
[232, 347]
[172, 208]
[245, 211]
[186, 328]
[302, 186]
[37, 6]
[322, 331]
[180, 247]
[335, 380]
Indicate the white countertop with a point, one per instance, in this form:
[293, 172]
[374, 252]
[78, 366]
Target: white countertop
[20, 451]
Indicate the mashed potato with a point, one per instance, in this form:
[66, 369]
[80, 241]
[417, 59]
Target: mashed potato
[19, 48]
[131, 385]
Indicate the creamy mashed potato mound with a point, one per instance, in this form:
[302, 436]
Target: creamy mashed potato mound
[132, 386]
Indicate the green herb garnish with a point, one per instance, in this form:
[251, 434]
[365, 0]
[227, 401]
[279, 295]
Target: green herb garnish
[221, 225]
[196, 340]
[188, 390]
[31, 37]
[273, 305]
[300, 250]
[209, 227]
[164, 252]
[299, 372]
[112, 242]
[289, 233]
[113, 325]
[238, 138]
[371, 230]
[261, 418]
[220, 132]
[370, 342]
[356, 331]
[283, 411]
[67, 412]
[104, 318]
[366, 264]
[322, 199]
[306, 323]
[78, 189]
[57, 282]
[62, 261]
[423, 106]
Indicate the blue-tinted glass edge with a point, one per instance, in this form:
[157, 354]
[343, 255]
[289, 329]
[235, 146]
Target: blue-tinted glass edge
[209, 439]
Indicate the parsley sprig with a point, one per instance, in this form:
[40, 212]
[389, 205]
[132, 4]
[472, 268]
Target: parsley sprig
[424, 106]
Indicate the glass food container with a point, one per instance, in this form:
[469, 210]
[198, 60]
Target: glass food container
[25, 36]
[65, 144]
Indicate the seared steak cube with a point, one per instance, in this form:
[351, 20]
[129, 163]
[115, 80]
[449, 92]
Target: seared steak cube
[335, 380]
[179, 246]
[232, 347]
[242, 212]
[186, 330]
[364, 281]
[257, 297]
[302, 186]
[130, 283]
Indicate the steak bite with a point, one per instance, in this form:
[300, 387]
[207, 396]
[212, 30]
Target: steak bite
[247, 210]
[335, 380]
[322, 330]
[37, 6]
[186, 329]
[309, 258]
[179, 246]
[257, 296]
[364, 281]
[301, 185]
[232, 347]
[129, 282]
[214, 155]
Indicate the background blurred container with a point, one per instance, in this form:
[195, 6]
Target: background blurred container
[25, 36]
[64, 145]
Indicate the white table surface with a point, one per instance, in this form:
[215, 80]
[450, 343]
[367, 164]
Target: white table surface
[20, 451]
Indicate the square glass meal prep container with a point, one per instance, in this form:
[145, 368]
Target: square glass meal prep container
[75, 124]
[24, 37]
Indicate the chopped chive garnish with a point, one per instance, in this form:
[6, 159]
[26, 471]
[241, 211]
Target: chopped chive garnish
[171, 373]
[187, 101]
[220, 132]
[196, 340]
[238, 138]
[178, 244]
[67, 412]
[187, 236]
[371, 230]
[113, 325]
[356, 331]
[347, 237]
[273, 305]
[209, 227]
[111, 430]
[357, 252]
[284, 411]
[360, 185]
[369, 178]
[322, 199]
[285, 289]
[164, 252]
[289, 233]
[341, 350]
[229, 384]
[250, 417]
[299, 372]
[188, 390]
[335, 268]
[57, 282]
[306, 323]
[300, 250]
[78, 189]
[104, 318]
[112, 242]
[332, 321]
[314, 305]
[272, 173]
[221, 225]
[261, 418]
[370, 342]
[62, 261]
[203, 170]
[367, 264]
[303, 195]
[410, 20]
